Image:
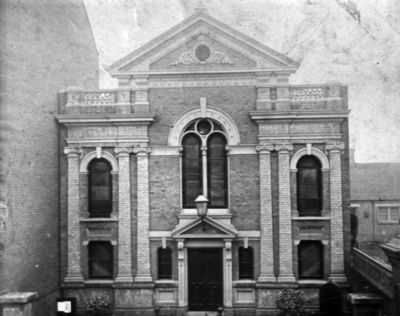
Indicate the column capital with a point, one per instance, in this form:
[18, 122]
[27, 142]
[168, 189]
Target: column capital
[339, 146]
[71, 151]
[283, 147]
[122, 151]
[264, 148]
[141, 150]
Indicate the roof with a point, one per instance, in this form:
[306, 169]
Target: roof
[201, 24]
[375, 181]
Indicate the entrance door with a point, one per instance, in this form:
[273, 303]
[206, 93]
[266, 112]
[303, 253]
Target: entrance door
[205, 279]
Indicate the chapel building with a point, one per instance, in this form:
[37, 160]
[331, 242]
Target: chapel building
[203, 110]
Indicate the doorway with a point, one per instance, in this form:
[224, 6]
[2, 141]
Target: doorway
[205, 279]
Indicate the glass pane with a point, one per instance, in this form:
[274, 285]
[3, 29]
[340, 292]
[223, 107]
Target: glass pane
[310, 259]
[216, 168]
[309, 200]
[204, 127]
[308, 176]
[309, 162]
[245, 263]
[394, 214]
[383, 214]
[100, 189]
[192, 170]
[100, 259]
[164, 263]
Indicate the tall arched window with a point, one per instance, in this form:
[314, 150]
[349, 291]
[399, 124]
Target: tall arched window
[100, 188]
[204, 164]
[309, 186]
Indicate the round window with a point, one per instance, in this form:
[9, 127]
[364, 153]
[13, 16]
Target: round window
[204, 127]
[202, 52]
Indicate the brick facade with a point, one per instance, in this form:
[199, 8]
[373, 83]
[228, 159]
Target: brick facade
[268, 126]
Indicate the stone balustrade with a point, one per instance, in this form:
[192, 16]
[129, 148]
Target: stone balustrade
[329, 97]
[375, 272]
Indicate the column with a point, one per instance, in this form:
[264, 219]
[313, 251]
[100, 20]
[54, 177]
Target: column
[228, 273]
[335, 185]
[181, 274]
[143, 216]
[285, 216]
[124, 217]
[204, 166]
[74, 254]
[266, 241]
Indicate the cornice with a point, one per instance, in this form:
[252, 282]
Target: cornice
[139, 118]
[299, 115]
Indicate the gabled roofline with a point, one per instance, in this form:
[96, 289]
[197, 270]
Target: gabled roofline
[196, 17]
[179, 231]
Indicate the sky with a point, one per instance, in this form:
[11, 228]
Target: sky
[356, 43]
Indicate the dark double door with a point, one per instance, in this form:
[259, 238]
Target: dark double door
[205, 278]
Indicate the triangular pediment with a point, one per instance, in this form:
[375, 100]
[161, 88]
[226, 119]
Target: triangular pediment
[202, 43]
[204, 228]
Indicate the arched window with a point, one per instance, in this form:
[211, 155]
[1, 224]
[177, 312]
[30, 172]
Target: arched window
[246, 263]
[310, 259]
[100, 260]
[100, 188]
[309, 186]
[204, 165]
[164, 257]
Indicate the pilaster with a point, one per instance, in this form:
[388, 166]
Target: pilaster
[228, 273]
[143, 215]
[266, 242]
[285, 218]
[74, 273]
[124, 217]
[181, 274]
[141, 104]
[335, 184]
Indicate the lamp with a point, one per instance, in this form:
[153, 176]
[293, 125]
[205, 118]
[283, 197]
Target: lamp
[201, 205]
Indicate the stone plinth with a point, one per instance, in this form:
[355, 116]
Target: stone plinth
[365, 303]
[17, 303]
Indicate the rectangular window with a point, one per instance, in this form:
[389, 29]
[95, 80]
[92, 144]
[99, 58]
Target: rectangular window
[310, 254]
[246, 264]
[388, 214]
[100, 255]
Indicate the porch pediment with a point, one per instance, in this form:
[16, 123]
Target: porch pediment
[223, 49]
[206, 228]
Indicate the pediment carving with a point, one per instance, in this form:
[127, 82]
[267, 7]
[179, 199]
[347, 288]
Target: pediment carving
[188, 58]
[206, 228]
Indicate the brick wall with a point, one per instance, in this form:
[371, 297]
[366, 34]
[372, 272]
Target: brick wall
[48, 46]
[170, 103]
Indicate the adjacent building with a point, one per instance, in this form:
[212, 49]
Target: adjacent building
[203, 110]
[45, 46]
[375, 199]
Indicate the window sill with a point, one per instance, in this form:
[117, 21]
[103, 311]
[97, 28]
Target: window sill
[166, 283]
[311, 218]
[99, 219]
[389, 223]
[99, 282]
[244, 283]
[311, 282]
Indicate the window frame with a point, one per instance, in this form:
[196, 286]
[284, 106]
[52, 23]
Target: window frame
[319, 184]
[248, 264]
[204, 159]
[300, 263]
[164, 263]
[91, 208]
[388, 207]
[90, 260]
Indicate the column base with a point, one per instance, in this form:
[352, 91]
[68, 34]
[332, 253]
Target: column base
[144, 278]
[267, 279]
[73, 278]
[338, 277]
[124, 279]
[286, 279]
